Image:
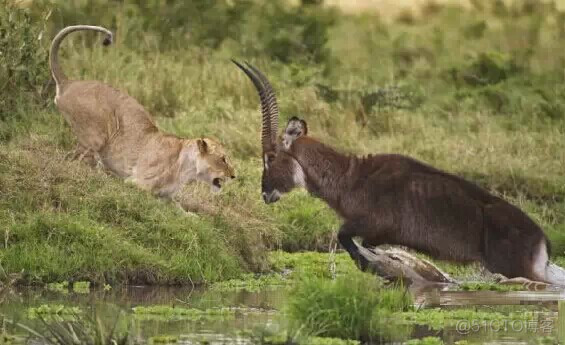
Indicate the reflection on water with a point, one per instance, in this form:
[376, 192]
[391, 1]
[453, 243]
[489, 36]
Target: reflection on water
[257, 311]
[434, 297]
[252, 310]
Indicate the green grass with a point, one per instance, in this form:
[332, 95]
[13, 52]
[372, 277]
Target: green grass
[63, 221]
[476, 92]
[322, 265]
[352, 306]
[289, 268]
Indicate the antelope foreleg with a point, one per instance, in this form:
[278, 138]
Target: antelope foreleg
[345, 237]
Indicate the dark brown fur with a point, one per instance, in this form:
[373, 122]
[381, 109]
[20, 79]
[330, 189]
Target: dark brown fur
[394, 199]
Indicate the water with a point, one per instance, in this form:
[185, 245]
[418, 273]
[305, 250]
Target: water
[256, 312]
[252, 310]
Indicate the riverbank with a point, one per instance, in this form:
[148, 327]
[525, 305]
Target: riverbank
[477, 92]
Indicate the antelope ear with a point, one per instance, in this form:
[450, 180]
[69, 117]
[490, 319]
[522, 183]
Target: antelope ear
[202, 146]
[295, 128]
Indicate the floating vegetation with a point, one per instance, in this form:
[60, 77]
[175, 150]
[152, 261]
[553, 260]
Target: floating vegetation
[252, 283]
[81, 287]
[425, 341]
[53, 311]
[164, 339]
[62, 287]
[282, 338]
[167, 313]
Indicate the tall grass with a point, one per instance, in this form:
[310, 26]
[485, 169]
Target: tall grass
[77, 328]
[353, 306]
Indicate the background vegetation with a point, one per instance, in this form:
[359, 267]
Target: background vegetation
[477, 91]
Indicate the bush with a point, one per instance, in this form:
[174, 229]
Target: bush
[24, 71]
[288, 34]
[274, 28]
[486, 69]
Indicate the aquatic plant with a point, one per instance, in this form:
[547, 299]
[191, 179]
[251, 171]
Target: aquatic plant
[83, 329]
[252, 283]
[81, 287]
[53, 311]
[547, 340]
[425, 341]
[62, 287]
[163, 312]
[283, 338]
[441, 318]
[164, 339]
[351, 307]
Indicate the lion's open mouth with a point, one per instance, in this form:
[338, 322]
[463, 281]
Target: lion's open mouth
[217, 182]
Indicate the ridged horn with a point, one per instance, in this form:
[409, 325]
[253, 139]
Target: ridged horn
[267, 142]
[271, 102]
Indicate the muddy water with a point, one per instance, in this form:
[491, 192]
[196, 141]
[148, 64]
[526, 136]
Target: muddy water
[543, 329]
[257, 312]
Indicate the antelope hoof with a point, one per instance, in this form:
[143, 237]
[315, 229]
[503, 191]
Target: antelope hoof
[362, 262]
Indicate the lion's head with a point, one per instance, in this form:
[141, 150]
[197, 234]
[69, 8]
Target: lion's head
[212, 164]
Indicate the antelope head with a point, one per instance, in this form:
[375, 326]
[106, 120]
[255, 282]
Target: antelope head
[281, 170]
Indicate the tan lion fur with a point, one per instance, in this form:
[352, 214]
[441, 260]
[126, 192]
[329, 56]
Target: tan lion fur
[122, 136]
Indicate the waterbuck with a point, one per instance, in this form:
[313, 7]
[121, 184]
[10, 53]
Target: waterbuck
[394, 199]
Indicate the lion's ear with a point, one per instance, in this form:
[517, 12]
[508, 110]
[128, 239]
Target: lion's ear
[202, 146]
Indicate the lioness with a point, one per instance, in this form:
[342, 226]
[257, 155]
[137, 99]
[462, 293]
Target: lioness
[122, 136]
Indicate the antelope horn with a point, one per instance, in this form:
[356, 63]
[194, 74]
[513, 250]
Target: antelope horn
[271, 102]
[267, 142]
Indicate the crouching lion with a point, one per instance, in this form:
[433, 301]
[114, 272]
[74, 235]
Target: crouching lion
[120, 133]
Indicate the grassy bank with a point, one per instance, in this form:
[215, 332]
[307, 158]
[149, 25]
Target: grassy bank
[476, 91]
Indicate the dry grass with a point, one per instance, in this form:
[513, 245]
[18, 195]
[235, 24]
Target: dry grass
[392, 9]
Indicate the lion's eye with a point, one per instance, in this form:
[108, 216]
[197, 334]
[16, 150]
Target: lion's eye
[224, 160]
